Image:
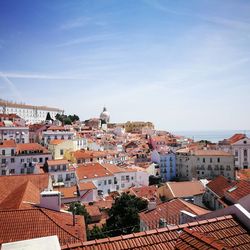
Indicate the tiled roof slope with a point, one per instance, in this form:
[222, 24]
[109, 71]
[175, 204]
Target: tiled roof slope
[22, 197]
[190, 239]
[225, 229]
[185, 188]
[26, 224]
[11, 182]
[238, 191]
[170, 211]
[218, 184]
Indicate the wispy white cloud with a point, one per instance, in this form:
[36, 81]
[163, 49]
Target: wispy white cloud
[11, 87]
[89, 39]
[76, 23]
[82, 22]
[20, 75]
[230, 23]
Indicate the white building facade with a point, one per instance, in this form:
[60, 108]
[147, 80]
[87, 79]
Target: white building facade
[241, 152]
[31, 114]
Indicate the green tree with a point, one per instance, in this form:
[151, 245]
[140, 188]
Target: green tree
[97, 233]
[80, 210]
[123, 216]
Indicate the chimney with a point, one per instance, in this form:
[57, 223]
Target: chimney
[186, 217]
[151, 204]
[50, 200]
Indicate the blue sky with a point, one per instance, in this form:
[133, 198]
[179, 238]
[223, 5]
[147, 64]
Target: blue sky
[182, 64]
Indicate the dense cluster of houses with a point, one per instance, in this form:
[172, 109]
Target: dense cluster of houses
[45, 166]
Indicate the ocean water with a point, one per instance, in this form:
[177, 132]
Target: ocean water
[212, 135]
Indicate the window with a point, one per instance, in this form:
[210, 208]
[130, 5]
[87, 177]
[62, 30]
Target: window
[110, 181]
[122, 185]
[12, 171]
[123, 178]
[40, 159]
[61, 151]
[64, 167]
[22, 170]
[3, 172]
[236, 153]
[105, 182]
[12, 160]
[218, 159]
[3, 152]
[72, 175]
[203, 160]
[211, 160]
[60, 179]
[245, 152]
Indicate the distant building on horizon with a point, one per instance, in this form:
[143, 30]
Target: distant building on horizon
[30, 113]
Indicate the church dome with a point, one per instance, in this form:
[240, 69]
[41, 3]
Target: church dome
[105, 116]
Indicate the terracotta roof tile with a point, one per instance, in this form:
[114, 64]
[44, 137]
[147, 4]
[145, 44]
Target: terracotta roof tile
[236, 137]
[222, 232]
[30, 147]
[24, 196]
[56, 141]
[13, 182]
[190, 239]
[243, 174]
[91, 170]
[86, 185]
[185, 188]
[67, 192]
[57, 162]
[211, 153]
[40, 222]
[170, 211]
[218, 185]
[8, 144]
[237, 191]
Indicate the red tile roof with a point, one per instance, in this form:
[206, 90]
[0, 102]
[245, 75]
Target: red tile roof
[26, 224]
[243, 174]
[57, 162]
[92, 170]
[8, 144]
[24, 196]
[56, 141]
[86, 186]
[30, 147]
[211, 153]
[146, 192]
[190, 239]
[236, 137]
[185, 188]
[10, 183]
[67, 192]
[115, 169]
[225, 229]
[170, 211]
[56, 128]
[237, 191]
[219, 184]
[87, 154]
[93, 210]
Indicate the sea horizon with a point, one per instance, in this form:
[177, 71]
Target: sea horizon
[210, 135]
